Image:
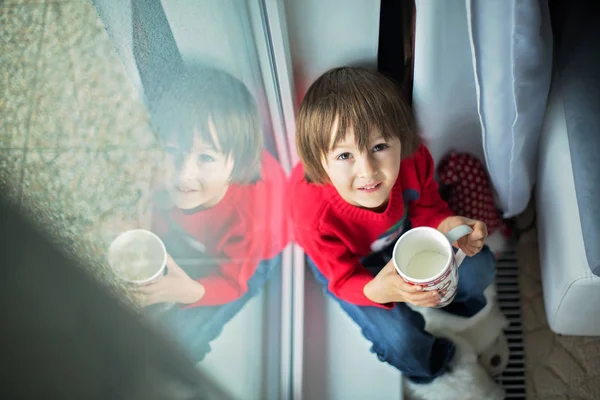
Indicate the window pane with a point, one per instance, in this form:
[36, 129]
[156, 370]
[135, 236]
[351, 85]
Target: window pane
[141, 136]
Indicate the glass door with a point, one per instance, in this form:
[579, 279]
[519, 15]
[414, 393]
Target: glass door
[150, 139]
[205, 73]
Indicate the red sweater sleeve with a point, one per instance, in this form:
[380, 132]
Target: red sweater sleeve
[234, 272]
[233, 268]
[429, 209]
[227, 286]
[344, 272]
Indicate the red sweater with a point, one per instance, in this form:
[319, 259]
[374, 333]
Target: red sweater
[247, 226]
[336, 235]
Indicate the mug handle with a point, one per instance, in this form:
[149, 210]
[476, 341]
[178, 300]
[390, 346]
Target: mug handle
[453, 236]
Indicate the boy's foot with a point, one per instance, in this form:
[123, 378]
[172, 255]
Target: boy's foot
[494, 358]
[483, 331]
[497, 243]
[466, 379]
[487, 335]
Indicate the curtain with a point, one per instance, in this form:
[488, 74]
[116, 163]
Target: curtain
[511, 45]
[481, 79]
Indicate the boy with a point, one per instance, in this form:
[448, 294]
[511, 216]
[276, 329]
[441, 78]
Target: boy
[363, 180]
[218, 205]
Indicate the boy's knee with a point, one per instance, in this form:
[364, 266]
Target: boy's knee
[396, 340]
[421, 356]
[392, 348]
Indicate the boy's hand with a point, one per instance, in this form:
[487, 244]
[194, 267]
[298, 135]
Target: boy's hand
[175, 287]
[472, 243]
[389, 287]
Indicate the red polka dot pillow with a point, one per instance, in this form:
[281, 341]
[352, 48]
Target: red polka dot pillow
[470, 190]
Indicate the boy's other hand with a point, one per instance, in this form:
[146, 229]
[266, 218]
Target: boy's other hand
[472, 243]
[175, 287]
[389, 287]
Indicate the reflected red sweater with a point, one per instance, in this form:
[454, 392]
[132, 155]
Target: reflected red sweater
[336, 235]
[247, 226]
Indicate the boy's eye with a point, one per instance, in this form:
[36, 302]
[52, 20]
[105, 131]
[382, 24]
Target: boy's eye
[344, 156]
[206, 158]
[380, 147]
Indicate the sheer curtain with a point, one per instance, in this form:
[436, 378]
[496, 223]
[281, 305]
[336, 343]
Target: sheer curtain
[482, 76]
[511, 44]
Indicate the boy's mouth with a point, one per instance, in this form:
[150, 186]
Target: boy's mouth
[184, 189]
[370, 188]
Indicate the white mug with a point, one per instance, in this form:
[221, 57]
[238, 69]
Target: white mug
[138, 256]
[424, 256]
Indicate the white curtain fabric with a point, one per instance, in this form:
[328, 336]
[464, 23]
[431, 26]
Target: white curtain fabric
[482, 76]
[444, 95]
[511, 45]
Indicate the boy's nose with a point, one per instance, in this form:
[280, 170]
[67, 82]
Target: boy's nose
[366, 167]
[188, 170]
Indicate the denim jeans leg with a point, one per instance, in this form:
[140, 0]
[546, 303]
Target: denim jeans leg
[474, 276]
[398, 336]
[194, 328]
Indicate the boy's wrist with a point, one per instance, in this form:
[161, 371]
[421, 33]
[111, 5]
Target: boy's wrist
[195, 293]
[371, 293]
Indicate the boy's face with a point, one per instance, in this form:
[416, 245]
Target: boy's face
[200, 176]
[364, 178]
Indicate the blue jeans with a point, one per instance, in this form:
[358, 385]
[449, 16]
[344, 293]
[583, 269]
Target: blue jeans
[398, 335]
[194, 328]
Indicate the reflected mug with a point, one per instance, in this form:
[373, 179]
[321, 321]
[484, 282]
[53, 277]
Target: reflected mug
[138, 257]
[424, 256]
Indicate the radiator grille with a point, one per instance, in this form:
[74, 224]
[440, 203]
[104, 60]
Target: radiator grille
[509, 300]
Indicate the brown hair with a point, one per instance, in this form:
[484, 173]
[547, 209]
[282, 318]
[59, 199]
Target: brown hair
[357, 98]
[202, 92]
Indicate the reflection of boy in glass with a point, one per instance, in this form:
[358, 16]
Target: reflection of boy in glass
[218, 206]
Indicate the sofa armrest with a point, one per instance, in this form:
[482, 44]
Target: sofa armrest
[577, 77]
